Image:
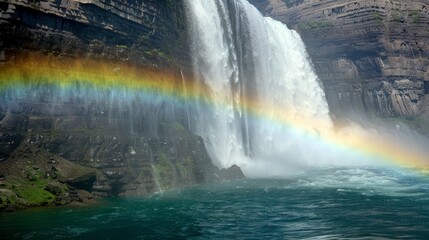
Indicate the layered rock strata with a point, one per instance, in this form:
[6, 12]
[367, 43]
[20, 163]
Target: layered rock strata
[147, 32]
[372, 56]
[115, 144]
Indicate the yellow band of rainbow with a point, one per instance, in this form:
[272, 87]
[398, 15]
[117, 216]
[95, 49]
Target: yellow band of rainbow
[34, 69]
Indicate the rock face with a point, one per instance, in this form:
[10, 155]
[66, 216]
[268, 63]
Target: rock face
[131, 147]
[232, 173]
[150, 32]
[372, 56]
[56, 149]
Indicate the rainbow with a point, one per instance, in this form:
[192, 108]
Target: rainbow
[33, 69]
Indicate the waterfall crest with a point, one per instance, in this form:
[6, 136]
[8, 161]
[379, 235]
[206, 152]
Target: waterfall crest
[246, 59]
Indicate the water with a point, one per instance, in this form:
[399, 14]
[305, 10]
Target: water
[319, 203]
[247, 62]
[133, 112]
[250, 62]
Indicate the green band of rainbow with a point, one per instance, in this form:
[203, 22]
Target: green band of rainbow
[37, 69]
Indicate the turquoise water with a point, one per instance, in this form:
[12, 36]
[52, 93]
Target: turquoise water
[330, 203]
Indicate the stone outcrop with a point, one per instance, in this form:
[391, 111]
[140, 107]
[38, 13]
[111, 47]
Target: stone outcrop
[150, 32]
[372, 56]
[34, 177]
[232, 173]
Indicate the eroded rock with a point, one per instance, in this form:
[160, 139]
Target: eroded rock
[232, 173]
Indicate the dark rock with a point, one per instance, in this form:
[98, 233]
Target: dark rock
[232, 173]
[9, 201]
[102, 187]
[137, 147]
[85, 195]
[84, 181]
[113, 174]
[150, 33]
[54, 188]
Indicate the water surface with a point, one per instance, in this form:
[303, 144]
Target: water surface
[328, 203]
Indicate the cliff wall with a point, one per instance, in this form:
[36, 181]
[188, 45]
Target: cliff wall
[372, 56]
[59, 145]
[150, 33]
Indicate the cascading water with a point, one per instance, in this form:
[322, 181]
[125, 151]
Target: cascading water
[248, 61]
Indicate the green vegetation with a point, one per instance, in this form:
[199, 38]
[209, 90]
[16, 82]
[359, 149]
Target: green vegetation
[32, 185]
[315, 25]
[122, 46]
[31, 188]
[414, 15]
[35, 195]
[156, 53]
[173, 129]
[178, 127]
[164, 171]
[397, 17]
[377, 17]
[184, 168]
[7, 198]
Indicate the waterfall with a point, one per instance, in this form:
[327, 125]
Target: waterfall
[244, 58]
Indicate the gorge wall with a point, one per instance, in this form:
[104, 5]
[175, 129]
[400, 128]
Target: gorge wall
[69, 144]
[372, 56]
[141, 32]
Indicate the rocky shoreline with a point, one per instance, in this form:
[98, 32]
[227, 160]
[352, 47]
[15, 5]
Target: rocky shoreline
[33, 177]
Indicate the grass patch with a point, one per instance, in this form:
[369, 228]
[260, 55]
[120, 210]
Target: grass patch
[31, 188]
[35, 195]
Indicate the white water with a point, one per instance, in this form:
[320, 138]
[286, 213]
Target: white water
[239, 54]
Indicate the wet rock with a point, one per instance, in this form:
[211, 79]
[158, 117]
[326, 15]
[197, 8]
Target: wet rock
[9, 201]
[114, 175]
[77, 134]
[232, 173]
[102, 187]
[85, 195]
[54, 188]
[83, 181]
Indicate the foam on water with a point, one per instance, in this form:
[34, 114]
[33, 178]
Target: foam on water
[269, 113]
[242, 56]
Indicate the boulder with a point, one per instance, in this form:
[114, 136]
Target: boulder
[232, 173]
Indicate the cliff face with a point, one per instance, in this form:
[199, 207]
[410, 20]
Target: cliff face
[63, 144]
[372, 56]
[141, 32]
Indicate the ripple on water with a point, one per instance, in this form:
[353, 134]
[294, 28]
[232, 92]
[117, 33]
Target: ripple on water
[320, 204]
